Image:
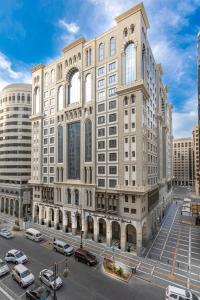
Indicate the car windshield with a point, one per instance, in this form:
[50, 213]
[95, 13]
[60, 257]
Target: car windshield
[38, 234]
[194, 297]
[19, 254]
[90, 255]
[25, 273]
[66, 246]
[2, 264]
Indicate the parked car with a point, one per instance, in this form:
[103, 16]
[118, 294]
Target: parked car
[4, 269]
[16, 256]
[63, 247]
[47, 277]
[4, 232]
[85, 257]
[22, 275]
[33, 235]
[38, 293]
[176, 293]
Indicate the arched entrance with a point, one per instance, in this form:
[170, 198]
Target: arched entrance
[60, 219]
[131, 238]
[36, 213]
[79, 224]
[116, 233]
[90, 227]
[69, 221]
[144, 235]
[17, 209]
[7, 205]
[102, 230]
[2, 205]
[51, 217]
[11, 207]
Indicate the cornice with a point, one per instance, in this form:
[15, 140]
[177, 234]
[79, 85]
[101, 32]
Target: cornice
[38, 67]
[73, 44]
[137, 86]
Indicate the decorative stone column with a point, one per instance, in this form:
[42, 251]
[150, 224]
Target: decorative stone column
[108, 233]
[9, 206]
[65, 220]
[96, 229]
[139, 239]
[74, 223]
[56, 218]
[84, 224]
[123, 236]
[48, 222]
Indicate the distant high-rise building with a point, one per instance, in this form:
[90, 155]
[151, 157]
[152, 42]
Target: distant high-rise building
[183, 162]
[15, 149]
[196, 159]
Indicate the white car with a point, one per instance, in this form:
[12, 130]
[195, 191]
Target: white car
[47, 277]
[16, 256]
[176, 293]
[6, 233]
[4, 269]
[22, 275]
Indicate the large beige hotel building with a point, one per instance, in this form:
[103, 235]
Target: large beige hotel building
[102, 137]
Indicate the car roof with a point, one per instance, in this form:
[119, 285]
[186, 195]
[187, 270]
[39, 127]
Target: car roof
[176, 290]
[47, 271]
[60, 242]
[13, 251]
[33, 230]
[20, 268]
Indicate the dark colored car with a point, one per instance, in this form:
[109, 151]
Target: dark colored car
[85, 257]
[39, 292]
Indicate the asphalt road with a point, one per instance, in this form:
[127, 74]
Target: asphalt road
[83, 282]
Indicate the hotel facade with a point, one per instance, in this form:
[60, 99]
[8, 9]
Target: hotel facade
[102, 137]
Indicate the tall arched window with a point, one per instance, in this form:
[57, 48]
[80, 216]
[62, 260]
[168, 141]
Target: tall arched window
[37, 101]
[130, 64]
[60, 144]
[76, 192]
[46, 78]
[88, 140]
[88, 88]
[112, 46]
[143, 62]
[74, 88]
[60, 98]
[101, 51]
[52, 76]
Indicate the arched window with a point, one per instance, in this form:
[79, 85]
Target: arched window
[143, 62]
[52, 76]
[88, 88]
[37, 101]
[69, 196]
[88, 140]
[112, 46]
[76, 192]
[60, 98]
[46, 79]
[101, 51]
[60, 144]
[74, 88]
[130, 64]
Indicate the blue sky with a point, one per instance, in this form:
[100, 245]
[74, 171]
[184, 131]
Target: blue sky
[34, 31]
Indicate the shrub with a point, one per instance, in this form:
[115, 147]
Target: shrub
[109, 266]
[120, 271]
[16, 228]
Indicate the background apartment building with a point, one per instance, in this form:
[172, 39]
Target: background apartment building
[102, 137]
[15, 149]
[183, 162]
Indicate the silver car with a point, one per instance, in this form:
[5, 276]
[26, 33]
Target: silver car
[47, 277]
[63, 247]
[6, 233]
[16, 256]
[4, 269]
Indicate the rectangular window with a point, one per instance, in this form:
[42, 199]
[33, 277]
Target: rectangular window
[101, 71]
[112, 130]
[112, 156]
[101, 170]
[45, 141]
[44, 169]
[112, 170]
[101, 120]
[45, 179]
[112, 66]
[112, 79]
[101, 145]
[101, 107]
[112, 117]
[126, 209]
[52, 160]
[45, 150]
[45, 160]
[101, 83]
[101, 95]
[51, 169]
[51, 140]
[112, 183]
[52, 111]
[101, 157]
[112, 92]
[45, 131]
[51, 130]
[112, 104]
[101, 182]
[51, 150]
[101, 132]
[112, 143]
[133, 211]
[51, 179]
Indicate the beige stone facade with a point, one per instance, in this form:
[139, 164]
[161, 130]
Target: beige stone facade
[196, 159]
[183, 162]
[102, 137]
[15, 149]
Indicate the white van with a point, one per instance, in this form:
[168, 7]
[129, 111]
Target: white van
[33, 235]
[176, 293]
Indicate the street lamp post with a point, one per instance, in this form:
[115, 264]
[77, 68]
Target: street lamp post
[81, 243]
[55, 272]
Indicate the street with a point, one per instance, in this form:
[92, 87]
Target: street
[83, 282]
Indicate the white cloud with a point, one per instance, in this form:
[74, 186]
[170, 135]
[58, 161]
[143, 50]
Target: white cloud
[70, 27]
[9, 75]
